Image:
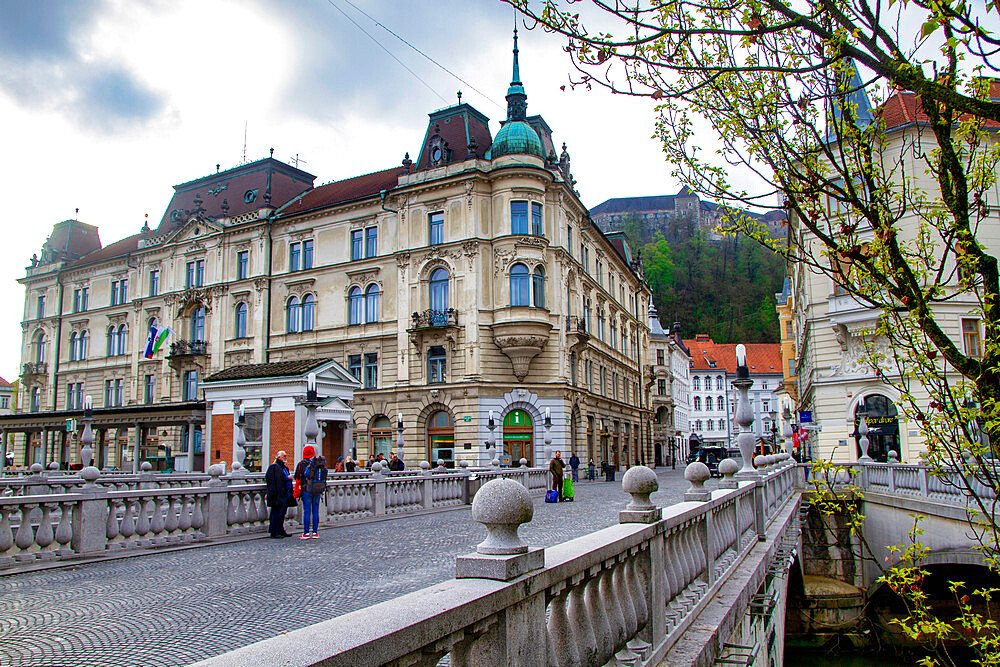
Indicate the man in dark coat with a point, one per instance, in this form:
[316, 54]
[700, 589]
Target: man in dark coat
[396, 463]
[574, 466]
[278, 494]
[556, 466]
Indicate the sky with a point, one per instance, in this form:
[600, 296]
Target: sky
[109, 103]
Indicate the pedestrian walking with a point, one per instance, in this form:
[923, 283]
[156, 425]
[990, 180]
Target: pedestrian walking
[574, 466]
[556, 466]
[311, 473]
[279, 493]
[591, 471]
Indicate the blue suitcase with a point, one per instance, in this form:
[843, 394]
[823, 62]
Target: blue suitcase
[551, 496]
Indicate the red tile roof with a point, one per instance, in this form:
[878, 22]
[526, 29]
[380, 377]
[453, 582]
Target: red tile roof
[761, 357]
[904, 108]
[116, 249]
[347, 190]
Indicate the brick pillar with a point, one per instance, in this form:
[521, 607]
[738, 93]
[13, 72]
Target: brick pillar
[222, 440]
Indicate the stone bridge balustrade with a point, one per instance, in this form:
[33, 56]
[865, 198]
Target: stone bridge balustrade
[58, 517]
[626, 595]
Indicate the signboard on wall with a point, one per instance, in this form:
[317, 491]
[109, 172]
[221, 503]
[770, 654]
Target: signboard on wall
[805, 416]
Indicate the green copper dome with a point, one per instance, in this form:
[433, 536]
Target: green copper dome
[516, 137]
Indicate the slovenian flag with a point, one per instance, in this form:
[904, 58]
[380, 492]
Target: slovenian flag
[155, 340]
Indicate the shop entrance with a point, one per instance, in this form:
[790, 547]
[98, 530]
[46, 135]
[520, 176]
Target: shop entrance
[441, 439]
[517, 436]
[883, 424]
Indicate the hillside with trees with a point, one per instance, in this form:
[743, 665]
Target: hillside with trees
[721, 287]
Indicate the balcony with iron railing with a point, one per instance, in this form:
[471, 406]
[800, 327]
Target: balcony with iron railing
[431, 319]
[188, 348]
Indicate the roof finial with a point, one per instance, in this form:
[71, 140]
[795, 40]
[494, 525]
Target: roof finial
[517, 69]
[460, 97]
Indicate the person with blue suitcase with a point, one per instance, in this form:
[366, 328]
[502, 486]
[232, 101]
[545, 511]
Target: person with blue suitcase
[556, 466]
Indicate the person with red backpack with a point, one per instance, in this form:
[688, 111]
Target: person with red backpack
[311, 473]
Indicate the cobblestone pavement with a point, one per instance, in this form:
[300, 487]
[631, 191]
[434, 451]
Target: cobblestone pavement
[179, 607]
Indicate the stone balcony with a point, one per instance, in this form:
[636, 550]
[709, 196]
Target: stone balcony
[521, 332]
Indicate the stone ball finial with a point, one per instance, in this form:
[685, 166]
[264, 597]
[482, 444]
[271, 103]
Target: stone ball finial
[893, 456]
[90, 475]
[53, 465]
[36, 468]
[495, 463]
[217, 470]
[146, 466]
[377, 466]
[697, 473]
[523, 462]
[728, 467]
[424, 465]
[640, 482]
[440, 463]
[759, 461]
[463, 464]
[502, 505]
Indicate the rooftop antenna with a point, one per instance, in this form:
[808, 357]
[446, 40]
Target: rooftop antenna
[296, 160]
[244, 142]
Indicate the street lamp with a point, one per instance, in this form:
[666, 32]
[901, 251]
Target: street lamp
[548, 432]
[311, 430]
[491, 424]
[773, 414]
[399, 440]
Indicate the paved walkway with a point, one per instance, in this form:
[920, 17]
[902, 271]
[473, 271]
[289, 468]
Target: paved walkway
[178, 607]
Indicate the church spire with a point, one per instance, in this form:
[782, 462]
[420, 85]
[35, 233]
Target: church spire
[517, 100]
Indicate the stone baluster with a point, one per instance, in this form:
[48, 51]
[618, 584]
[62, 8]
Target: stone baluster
[624, 595]
[187, 504]
[112, 526]
[562, 646]
[173, 520]
[598, 619]
[64, 530]
[579, 621]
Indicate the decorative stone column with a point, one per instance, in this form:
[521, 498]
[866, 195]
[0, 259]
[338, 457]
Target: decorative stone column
[744, 414]
[863, 441]
[239, 444]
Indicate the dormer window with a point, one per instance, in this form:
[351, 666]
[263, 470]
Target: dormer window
[438, 150]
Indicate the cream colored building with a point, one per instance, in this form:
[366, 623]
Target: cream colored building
[467, 281]
[831, 328]
[670, 386]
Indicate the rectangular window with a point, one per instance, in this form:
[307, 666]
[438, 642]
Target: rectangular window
[119, 289]
[371, 370]
[970, 336]
[76, 300]
[188, 276]
[604, 384]
[109, 395]
[307, 254]
[154, 282]
[435, 228]
[119, 398]
[357, 244]
[600, 274]
[536, 219]
[661, 387]
[791, 367]
[519, 217]
[242, 264]
[70, 399]
[569, 240]
[371, 241]
[36, 399]
[436, 364]
[354, 366]
[788, 329]
[659, 357]
[41, 306]
[147, 395]
[294, 256]
[199, 273]
[190, 386]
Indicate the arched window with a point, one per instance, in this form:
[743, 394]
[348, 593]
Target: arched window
[241, 320]
[293, 311]
[441, 438]
[121, 335]
[380, 432]
[720, 403]
[439, 290]
[371, 303]
[81, 352]
[308, 312]
[538, 287]
[355, 305]
[719, 383]
[696, 383]
[198, 324]
[697, 402]
[519, 295]
[74, 346]
[112, 341]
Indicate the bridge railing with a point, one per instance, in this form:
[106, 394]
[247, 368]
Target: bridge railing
[948, 485]
[621, 595]
[88, 518]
